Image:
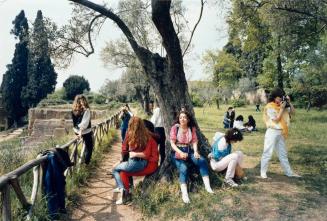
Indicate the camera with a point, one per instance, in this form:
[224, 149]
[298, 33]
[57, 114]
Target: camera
[284, 99]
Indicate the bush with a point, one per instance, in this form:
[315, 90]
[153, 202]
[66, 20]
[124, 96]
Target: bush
[99, 99]
[238, 103]
[197, 101]
[75, 85]
[51, 102]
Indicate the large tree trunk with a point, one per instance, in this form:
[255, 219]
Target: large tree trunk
[165, 74]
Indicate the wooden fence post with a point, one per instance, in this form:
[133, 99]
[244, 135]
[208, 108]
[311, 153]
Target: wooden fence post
[6, 204]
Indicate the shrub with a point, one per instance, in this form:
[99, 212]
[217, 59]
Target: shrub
[75, 85]
[238, 103]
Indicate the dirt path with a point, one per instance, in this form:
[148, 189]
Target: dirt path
[98, 200]
[7, 136]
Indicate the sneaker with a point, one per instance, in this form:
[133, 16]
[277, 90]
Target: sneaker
[116, 190]
[185, 198]
[263, 176]
[209, 190]
[230, 182]
[121, 197]
[294, 175]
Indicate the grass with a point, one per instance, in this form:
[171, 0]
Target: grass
[281, 198]
[10, 160]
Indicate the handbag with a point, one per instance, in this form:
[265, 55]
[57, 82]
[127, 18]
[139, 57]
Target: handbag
[239, 172]
[184, 150]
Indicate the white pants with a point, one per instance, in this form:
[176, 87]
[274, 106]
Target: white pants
[230, 161]
[275, 140]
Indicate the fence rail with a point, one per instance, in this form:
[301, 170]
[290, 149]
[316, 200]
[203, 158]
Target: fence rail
[10, 180]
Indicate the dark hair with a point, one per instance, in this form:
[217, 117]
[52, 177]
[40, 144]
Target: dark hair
[149, 125]
[239, 118]
[191, 122]
[251, 120]
[233, 134]
[230, 108]
[126, 105]
[277, 92]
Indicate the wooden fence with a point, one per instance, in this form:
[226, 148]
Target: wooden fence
[11, 179]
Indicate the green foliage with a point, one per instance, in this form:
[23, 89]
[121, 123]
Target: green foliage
[41, 74]
[75, 85]
[238, 102]
[99, 99]
[226, 70]
[15, 77]
[57, 94]
[196, 100]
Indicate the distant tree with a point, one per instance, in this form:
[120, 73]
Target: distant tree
[15, 77]
[41, 74]
[75, 85]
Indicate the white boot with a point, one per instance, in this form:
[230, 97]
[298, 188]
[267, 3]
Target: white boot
[207, 186]
[184, 193]
[120, 196]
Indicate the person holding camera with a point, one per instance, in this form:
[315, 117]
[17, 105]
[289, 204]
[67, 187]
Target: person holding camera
[277, 119]
[125, 116]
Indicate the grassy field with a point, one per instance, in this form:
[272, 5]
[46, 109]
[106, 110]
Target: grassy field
[279, 198]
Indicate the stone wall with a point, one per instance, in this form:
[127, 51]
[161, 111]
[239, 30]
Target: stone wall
[50, 122]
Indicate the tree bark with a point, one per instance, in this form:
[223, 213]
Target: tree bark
[280, 77]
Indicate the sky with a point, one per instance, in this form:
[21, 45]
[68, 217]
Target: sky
[210, 34]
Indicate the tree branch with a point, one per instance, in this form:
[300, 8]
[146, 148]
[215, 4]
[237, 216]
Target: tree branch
[89, 36]
[140, 51]
[162, 20]
[195, 26]
[297, 11]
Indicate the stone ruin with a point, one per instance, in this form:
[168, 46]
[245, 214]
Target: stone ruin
[45, 123]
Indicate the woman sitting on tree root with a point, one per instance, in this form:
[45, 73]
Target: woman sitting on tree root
[152, 165]
[184, 143]
[138, 141]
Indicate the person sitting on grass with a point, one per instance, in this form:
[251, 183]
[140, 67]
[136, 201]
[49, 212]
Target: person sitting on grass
[238, 123]
[251, 124]
[222, 157]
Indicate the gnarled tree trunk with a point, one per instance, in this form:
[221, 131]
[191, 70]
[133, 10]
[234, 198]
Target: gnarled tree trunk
[165, 74]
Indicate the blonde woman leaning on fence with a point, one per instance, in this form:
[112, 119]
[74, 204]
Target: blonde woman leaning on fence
[81, 116]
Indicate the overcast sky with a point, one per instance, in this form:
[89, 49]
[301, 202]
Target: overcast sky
[210, 34]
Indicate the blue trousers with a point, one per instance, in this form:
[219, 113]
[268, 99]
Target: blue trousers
[182, 166]
[132, 165]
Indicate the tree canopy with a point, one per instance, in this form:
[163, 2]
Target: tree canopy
[15, 77]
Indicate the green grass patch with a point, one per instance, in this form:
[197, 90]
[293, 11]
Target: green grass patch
[307, 153]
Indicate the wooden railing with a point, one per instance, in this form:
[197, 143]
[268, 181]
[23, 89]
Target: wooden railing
[11, 179]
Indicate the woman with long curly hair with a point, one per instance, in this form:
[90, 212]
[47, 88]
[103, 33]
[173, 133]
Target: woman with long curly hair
[184, 143]
[81, 116]
[138, 142]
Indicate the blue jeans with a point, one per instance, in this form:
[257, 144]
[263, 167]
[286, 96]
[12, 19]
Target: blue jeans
[132, 165]
[123, 134]
[182, 166]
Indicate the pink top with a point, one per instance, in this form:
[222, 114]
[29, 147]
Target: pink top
[183, 136]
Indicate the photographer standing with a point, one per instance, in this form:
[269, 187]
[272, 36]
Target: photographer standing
[277, 118]
[125, 116]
